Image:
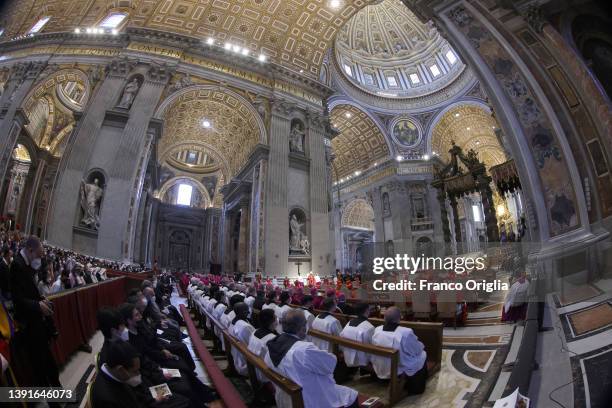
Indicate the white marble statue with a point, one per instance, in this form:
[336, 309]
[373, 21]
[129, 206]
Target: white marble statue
[296, 138]
[295, 237]
[91, 196]
[305, 246]
[129, 94]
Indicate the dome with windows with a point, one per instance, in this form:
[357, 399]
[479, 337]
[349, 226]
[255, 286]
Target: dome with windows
[387, 51]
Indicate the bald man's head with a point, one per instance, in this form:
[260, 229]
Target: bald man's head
[392, 315]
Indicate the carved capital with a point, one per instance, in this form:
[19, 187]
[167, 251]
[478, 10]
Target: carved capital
[120, 66]
[159, 73]
[283, 108]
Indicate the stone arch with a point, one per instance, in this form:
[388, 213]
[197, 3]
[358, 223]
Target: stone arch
[359, 214]
[360, 144]
[172, 98]
[470, 126]
[168, 184]
[233, 127]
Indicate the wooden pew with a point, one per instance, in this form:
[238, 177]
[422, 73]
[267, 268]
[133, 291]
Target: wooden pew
[225, 389]
[429, 333]
[395, 383]
[254, 362]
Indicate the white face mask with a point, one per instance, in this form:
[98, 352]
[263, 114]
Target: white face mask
[125, 335]
[134, 381]
[145, 302]
[36, 263]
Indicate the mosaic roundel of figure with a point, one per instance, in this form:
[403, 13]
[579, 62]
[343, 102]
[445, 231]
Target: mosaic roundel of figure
[406, 133]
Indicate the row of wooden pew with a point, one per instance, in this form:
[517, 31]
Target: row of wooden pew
[429, 333]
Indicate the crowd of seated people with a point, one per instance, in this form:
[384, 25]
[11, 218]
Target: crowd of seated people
[278, 334]
[142, 341]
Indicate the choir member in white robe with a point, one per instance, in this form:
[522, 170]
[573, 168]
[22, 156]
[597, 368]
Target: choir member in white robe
[326, 323]
[306, 365]
[307, 307]
[282, 309]
[413, 358]
[242, 330]
[250, 299]
[361, 330]
[261, 337]
[515, 304]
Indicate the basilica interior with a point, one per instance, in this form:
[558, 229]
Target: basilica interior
[286, 139]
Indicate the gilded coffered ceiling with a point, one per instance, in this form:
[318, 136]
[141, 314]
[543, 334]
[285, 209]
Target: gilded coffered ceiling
[470, 127]
[293, 33]
[358, 214]
[360, 142]
[213, 122]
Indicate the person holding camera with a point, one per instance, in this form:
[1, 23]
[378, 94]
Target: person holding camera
[33, 316]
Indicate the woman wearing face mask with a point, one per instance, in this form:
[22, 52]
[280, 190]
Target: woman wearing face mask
[32, 316]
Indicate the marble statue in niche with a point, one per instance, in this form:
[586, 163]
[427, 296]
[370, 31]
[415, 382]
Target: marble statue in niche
[386, 205]
[91, 197]
[296, 137]
[129, 94]
[298, 240]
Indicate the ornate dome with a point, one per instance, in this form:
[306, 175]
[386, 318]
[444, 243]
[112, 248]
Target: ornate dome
[384, 49]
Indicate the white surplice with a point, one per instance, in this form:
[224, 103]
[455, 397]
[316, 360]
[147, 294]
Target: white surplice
[243, 331]
[329, 325]
[258, 347]
[412, 351]
[313, 370]
[363, 334]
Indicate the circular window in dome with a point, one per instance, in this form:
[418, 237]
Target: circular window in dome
[406, 132]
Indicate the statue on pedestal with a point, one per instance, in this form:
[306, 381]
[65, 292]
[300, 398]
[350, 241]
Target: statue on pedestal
[296, 138]
[91, 196]
[129, 94]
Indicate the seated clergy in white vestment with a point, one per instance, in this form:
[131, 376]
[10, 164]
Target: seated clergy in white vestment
[261, 337]
[250, 298]
[361, 330]
[412, 355]
[307, 307]
[307, 366]
[242, 330]
[325, 322]
[282, 309]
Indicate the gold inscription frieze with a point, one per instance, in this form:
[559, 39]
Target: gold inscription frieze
[156, 50]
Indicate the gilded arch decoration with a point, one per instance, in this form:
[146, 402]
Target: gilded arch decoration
[358, 214]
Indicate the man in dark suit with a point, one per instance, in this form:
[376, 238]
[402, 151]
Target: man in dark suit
[33, 317]
[5, 261]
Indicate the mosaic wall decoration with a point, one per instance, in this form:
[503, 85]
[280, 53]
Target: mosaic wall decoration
[559, 195]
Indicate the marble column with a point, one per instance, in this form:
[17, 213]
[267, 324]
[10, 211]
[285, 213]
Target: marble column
[444, 216]
[320, 250]
[9, 141]
[12, 118]
[122, 163]
[41, 168]
[243, 237]
[456, 222]
[277, 213]
[400, 216]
